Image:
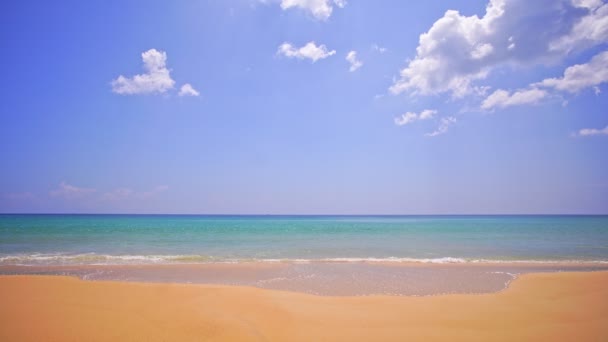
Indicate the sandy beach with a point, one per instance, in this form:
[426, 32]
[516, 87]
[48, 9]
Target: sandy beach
[544, 306]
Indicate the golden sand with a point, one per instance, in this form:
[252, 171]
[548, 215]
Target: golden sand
[537, 307]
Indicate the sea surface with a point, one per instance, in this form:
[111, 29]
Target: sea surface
[177, 239]
[322, 255]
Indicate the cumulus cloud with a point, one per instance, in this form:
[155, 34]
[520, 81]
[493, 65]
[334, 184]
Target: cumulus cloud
[156, 79]
[444, 125]
[410, 117]
[68, 191]
[319, 9]
[309, 51]
[591, 30]
[481, 51]
[581, 76]
[586, 132]
[355, 64]
[188, 90]
[503, 98]
[459, 51]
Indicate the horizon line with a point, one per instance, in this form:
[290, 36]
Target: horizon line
[352, 215]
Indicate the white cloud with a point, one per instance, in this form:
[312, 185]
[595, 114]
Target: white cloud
[458, 51]
[503, 98]
[444, 125]
[427, 114]
[156, 79]
[581, 76]
[410, 117]
[310, 51]
[378, 48]
[589, 31]
[340, 3]
[355, 64]
[188, 90]
[590, 4]
[511, 44]
[68, 191]
[406, 118]
[481, 51]
[320, 9]
[586, 132]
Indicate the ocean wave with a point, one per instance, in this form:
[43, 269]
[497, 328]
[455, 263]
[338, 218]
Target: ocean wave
[107, 259]
[103, 259]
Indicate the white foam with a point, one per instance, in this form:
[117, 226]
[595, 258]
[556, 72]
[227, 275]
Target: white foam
[107, 259]
[97, 259]
[444, 260]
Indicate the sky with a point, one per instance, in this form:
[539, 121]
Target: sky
[304, 107]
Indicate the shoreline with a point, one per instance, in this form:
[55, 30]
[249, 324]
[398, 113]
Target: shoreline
[537, 306]
[87, 259]
[324, 278]
[56, 259]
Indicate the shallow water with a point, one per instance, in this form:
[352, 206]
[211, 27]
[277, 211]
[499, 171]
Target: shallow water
[320, 278]
[326, 255]
[176, 239]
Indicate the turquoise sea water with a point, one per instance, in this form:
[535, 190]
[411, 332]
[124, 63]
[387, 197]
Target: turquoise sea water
[133, 239]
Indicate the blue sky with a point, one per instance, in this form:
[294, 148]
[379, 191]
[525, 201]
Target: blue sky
[252, 106]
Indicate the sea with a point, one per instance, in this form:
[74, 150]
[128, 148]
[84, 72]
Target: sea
[365, 254]
[119, 239]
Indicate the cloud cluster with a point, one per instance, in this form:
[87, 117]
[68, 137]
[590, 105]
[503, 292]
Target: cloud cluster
[72, 192]
[581, 76]
[319, 9]
[586, 132]
[410, 117]
[457, 51]
[444, 125]
[590, 30]
[68, 191]
[503, 98]
[309, 51]
[575, 79]
[355, 63]
[188, 90]
[155, 80]
[380, 49]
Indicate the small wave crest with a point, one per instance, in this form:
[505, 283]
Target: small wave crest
[107, 259]
[444, 260]
[99, 259]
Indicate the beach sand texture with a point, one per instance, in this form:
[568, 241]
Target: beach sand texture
[536, 307]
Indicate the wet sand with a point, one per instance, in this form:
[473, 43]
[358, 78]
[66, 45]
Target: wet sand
[321, 278]
[535, 307]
